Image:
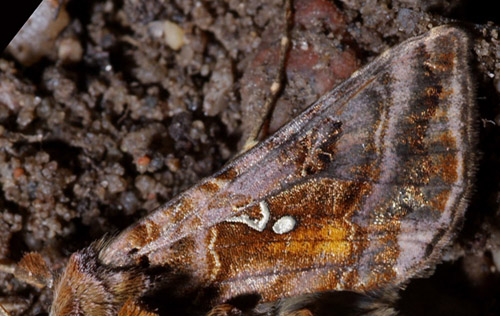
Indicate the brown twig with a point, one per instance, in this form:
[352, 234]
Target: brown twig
[277, 84]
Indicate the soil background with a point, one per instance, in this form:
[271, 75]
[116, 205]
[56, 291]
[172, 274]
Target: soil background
[110, 108]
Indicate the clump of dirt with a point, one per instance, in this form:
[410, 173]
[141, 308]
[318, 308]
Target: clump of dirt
[127, 103]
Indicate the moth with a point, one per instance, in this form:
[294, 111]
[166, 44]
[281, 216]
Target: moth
[359, 193]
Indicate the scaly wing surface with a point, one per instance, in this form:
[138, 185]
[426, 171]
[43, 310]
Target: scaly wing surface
[363, 189]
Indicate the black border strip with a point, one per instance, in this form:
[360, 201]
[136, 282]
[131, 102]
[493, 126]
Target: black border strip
[13, 15]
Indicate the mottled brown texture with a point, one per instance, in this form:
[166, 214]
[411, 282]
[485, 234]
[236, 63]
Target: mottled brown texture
[88, 288]
[358, 171]
[120, 101]
[320, 57]
[130, 308]
[224, 310]
[34, 270]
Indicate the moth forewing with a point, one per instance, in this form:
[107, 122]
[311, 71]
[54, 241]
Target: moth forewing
[370, 183]
[360, 192]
